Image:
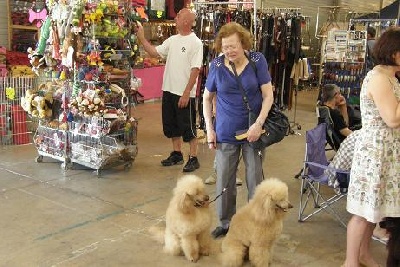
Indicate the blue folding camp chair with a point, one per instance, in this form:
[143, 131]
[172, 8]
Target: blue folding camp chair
[312, 200]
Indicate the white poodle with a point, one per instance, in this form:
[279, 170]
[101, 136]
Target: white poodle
[256, 226]
[188, 220]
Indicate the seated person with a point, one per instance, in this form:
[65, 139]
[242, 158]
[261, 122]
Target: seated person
[336, 104]
[342, 161]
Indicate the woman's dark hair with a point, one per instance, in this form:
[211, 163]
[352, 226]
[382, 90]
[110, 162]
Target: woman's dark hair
[229, 29]
[329, 92]
[371, 31]
[387, 45]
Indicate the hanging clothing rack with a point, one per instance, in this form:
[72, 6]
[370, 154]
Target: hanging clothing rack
[235, 3]
[277, 10]
[280, 42]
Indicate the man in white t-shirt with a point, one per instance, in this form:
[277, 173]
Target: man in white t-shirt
[184, 54]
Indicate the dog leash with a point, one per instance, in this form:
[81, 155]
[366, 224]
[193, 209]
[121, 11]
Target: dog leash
[222, 192]
[230, 180]
[226, 186]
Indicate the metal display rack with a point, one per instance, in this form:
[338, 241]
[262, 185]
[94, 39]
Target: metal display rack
[91, 123]
[345, 62]
[379, 24]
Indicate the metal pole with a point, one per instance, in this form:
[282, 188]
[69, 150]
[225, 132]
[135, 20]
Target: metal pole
[398, 11]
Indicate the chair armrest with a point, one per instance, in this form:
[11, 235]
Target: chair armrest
[321, 166]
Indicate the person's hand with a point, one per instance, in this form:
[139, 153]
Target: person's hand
[342, 101]
[254, 132]
[183, 100]
[211, 139]
[139, 30]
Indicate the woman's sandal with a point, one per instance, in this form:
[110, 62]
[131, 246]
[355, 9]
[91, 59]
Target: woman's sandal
[382, 240]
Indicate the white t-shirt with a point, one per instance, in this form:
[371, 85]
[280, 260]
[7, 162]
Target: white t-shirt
[182, 53]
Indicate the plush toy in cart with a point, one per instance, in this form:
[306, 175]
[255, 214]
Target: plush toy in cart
[88, 103]
[38, 104]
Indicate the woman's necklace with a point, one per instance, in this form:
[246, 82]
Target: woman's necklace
[239, 65]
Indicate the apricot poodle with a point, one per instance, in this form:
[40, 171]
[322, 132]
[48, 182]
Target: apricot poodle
[188, 220]
[256, 226]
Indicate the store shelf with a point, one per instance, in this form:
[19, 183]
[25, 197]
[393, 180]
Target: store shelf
[24, 27]
[20, 35]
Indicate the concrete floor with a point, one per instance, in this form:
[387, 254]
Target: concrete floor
[52, 218]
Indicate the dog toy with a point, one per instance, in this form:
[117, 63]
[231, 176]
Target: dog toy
[37, 15]
[10, 93]
[44, 36]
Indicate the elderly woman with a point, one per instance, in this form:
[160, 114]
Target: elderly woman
[234, 41]
[374, 189]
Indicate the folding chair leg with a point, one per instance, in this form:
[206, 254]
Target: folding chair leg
[310, 189]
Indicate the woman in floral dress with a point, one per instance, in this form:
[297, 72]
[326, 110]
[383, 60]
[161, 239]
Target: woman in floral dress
[374, 190]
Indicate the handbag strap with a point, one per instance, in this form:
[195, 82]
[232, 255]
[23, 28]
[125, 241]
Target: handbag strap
[253, 65]
[244, 96]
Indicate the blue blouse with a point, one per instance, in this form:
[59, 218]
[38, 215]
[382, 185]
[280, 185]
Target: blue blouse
[232, 113]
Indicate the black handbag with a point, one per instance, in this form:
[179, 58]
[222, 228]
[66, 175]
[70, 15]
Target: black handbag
[276, 125]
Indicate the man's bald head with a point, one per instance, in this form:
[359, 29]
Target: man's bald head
[188, 14]
[184, 21]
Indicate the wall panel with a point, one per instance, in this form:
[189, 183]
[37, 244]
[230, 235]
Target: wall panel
[3, 23]
[366, 5]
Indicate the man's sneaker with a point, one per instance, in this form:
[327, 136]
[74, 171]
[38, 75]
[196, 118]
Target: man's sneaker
[174, 158]
[212, 179]
[191, 165]
[219, 232]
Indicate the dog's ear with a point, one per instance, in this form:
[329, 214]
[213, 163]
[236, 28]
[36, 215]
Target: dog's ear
[263, 210]
[184, 202]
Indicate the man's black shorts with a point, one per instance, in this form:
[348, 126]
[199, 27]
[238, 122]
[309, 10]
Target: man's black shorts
[178, 122]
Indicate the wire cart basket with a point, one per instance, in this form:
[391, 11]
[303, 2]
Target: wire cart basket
[51, 137]
[98, 143]
[52, 143]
